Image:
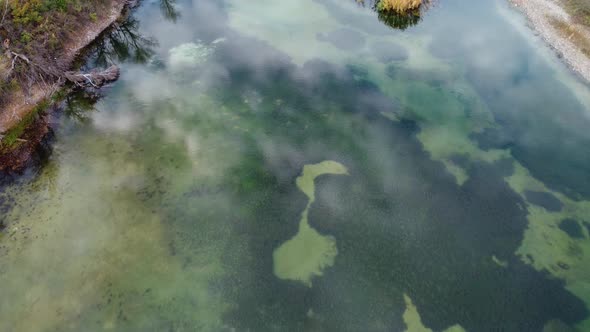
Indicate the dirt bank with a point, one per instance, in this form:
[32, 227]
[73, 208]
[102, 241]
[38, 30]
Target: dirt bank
[560, 31]
[23, 104]
[18, 156]
[29, 150]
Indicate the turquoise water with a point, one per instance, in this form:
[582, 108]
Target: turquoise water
[302, 166]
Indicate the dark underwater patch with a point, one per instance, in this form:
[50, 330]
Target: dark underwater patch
[572, 228]
[544, 199]
[344, 39]
[434, 78]
[505, 166]
[460, 160]
[388, 51]
[492, 138]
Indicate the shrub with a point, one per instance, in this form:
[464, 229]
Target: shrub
[399, 6]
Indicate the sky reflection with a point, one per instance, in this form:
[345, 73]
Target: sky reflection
[180, 186]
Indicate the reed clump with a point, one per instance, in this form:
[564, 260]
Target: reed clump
[399, 6]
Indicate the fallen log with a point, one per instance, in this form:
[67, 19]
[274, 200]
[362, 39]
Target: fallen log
[95, 78]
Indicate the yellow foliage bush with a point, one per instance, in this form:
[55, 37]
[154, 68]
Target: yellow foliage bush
[399, 6]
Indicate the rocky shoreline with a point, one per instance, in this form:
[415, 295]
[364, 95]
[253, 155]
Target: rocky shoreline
[541, 15]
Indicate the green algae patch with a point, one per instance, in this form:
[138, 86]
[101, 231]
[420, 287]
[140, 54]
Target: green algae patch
[305, 255]
[126, 268]
[499, 262]
[414, 323]
[455, 328]
[451, 114]
[306, 182]
[308, 253]
[412, 317]
[545, 246]
[391, 116]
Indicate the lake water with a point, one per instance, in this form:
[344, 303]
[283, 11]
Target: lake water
[299, 165]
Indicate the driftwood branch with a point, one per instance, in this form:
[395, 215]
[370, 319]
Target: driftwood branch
[16, 56]
[95, 78]
[18, 139]
[38, 72]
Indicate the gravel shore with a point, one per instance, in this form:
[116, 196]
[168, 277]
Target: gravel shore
[540, 13]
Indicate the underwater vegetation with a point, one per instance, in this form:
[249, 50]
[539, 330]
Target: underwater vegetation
[393, 226]
[308, 253]
[123, 42]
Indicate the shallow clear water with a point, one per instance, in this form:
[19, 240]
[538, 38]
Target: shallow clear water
[299, 165]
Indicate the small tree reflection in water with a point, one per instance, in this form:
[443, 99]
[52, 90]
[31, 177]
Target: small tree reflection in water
[169, 10]
[121, 43]
[79, 103]
[397, 19]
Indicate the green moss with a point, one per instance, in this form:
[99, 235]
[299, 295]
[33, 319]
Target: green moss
[12, 135]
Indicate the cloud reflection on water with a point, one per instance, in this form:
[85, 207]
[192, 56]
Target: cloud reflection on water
[208, 158]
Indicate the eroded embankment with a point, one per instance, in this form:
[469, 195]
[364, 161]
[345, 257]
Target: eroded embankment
[22, 124]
